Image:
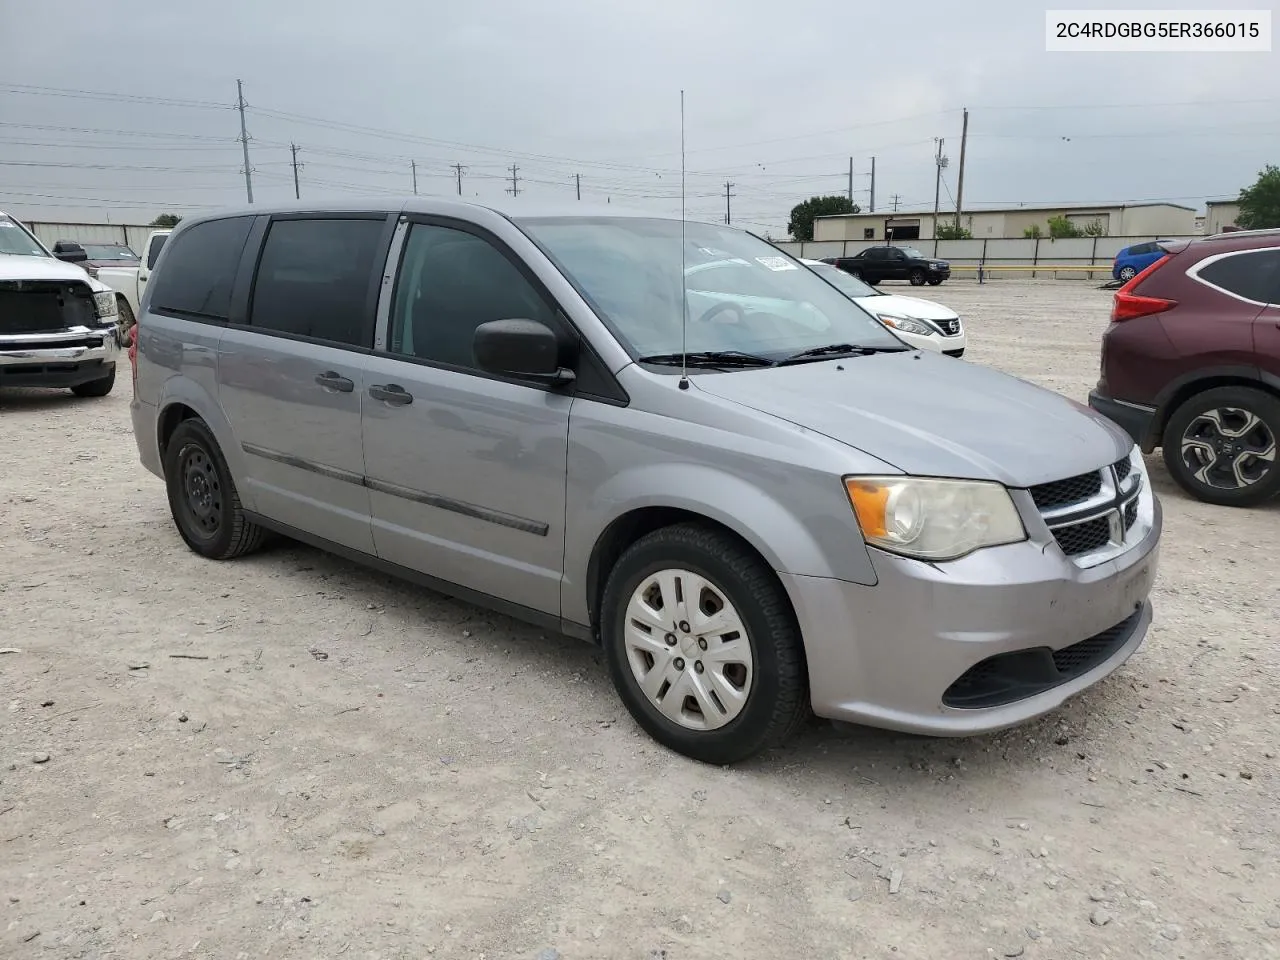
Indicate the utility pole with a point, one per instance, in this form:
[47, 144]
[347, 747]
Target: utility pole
[297, 194]
[458, 169]
[413, 169]
[940, 162]
[727, 197]
[873, 184]
[514, 189]
[577, 181]
[895, 198]
[244, 141]
[851, 181]
[964, 138]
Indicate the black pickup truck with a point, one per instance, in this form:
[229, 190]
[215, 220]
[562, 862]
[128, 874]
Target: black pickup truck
[893, 263]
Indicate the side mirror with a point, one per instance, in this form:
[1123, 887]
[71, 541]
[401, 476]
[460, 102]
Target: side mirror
[520, 348]
[70, 252]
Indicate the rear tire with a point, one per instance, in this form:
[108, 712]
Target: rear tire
[96, 388]
[202, 495]
[1220, 446]
[1127, 274]
[734, 649]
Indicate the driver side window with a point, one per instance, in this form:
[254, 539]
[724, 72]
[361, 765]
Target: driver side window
[450, 282]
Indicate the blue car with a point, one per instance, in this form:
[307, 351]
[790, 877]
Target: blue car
[1131, 261]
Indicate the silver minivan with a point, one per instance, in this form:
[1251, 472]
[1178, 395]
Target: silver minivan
[664, 437]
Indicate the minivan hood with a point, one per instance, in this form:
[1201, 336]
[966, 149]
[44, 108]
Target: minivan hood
[39, 268]
[930, 415]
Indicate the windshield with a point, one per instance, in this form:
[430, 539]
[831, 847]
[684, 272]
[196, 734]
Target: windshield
[15, 241]
[913, 253]
[743, 293]
[846, 283]
[108, 251]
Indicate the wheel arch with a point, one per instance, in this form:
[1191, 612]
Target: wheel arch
[783, 541]
[1183, 389]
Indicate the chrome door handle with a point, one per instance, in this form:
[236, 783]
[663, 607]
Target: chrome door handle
[391, 393]
[331, 380]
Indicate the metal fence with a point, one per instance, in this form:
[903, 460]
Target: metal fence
[1069, 259]
[133, 234]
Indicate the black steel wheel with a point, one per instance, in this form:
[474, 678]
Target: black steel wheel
[202, 495]
[1220, 446]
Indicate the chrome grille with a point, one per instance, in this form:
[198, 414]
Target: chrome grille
[1091, 513]
[949, 328]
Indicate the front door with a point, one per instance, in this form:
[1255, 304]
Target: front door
[292, 376]
[466, 471]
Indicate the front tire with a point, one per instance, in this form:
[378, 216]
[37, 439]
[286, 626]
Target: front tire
[917, 277]
[202, 495]
[96, 388]
[934, 281]
[703, 646]
[1220, 446]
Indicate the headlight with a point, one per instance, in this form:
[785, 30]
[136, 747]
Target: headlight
[906, 325]
[933, 519]
[104, 304]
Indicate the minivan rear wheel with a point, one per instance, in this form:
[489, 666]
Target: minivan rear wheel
[1220, 446]
[202, 496]
[703, 645]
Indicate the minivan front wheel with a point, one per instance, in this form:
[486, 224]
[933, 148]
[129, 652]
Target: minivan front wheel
[702, 644]
[202, 496]
[1220, 446]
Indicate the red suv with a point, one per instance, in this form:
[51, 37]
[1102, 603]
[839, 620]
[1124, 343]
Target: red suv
[1191, 363]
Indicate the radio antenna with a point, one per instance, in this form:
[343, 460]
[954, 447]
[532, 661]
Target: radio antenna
[684, 284]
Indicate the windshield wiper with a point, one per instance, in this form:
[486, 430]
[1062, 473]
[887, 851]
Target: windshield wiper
[837, 350]
[709, 358]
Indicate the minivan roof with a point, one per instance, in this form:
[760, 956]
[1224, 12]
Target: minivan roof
[513, 209]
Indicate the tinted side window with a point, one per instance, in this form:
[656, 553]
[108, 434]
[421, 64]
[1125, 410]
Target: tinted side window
[153, 251]
[314, 278]
[197, 278]
[451, 282]
[1254, 275]
[1139, 249]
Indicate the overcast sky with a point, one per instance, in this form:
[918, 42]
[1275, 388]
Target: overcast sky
[779, 96]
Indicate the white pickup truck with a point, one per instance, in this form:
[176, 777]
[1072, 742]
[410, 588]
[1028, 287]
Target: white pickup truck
[129, 282]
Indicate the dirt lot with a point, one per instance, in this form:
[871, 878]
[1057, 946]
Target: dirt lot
[289, 756]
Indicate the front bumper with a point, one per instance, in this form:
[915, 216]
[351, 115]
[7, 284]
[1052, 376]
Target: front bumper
[888, 655]
[67, 358]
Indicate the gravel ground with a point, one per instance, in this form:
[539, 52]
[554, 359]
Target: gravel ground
[290, 756]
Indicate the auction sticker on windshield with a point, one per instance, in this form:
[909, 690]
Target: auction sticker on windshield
[776, 263]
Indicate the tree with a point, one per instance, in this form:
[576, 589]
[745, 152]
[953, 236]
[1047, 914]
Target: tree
[802, 214]
[952, 231]
[1260, 203]
[1060, 228]
[1033, 232]
[1094, 228]
[166, 220]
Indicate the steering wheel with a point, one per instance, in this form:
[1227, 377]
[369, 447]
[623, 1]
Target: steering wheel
[739, 316]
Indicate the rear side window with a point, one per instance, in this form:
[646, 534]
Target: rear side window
[153, 250]
[1253, 275]
[198, 276]
[314, 279]
[1138, 249]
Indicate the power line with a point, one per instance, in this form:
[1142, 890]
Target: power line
[100, 95]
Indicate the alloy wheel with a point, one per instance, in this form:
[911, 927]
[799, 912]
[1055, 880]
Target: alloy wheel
[1127, 273]
[1228, 448]
[688, 649]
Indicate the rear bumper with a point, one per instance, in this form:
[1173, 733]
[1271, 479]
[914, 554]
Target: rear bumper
[899, 654]
[65, 359]
[1137, 420]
